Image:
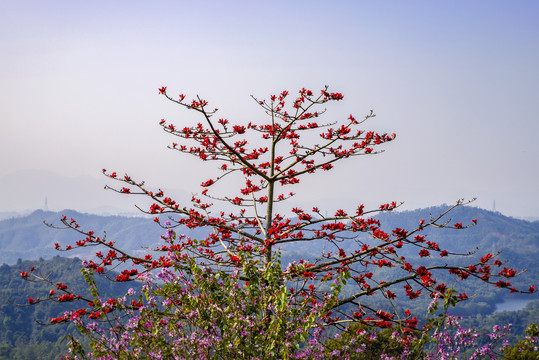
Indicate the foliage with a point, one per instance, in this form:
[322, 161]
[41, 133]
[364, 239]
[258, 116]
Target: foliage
[231, 280]
[526, 349]
[442, 337]
[197, 311]
[371, 343]
[448, 340]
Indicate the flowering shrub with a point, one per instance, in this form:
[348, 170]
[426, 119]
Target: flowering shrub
[442, 338]
[528, 348]
[228, 295]
[190, 310]
[448, 340]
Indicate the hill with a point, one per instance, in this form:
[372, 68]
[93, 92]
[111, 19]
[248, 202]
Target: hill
[517, 240]
[21, 337]
[28, 238]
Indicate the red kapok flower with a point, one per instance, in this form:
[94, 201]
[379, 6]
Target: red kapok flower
[424, 253]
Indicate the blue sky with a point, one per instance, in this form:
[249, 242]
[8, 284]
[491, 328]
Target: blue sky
[457, 81]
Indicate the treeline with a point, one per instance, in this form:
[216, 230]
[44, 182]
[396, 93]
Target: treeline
[21, 336]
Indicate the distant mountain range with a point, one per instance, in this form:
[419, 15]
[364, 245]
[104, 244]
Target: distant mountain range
[27, 238]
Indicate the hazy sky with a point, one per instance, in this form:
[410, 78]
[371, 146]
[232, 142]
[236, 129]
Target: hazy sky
[458, 81]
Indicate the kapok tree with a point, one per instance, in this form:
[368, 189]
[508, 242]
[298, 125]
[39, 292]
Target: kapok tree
[228, 294]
